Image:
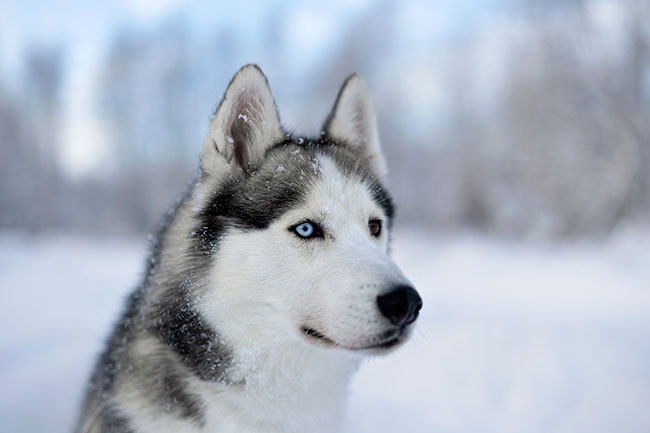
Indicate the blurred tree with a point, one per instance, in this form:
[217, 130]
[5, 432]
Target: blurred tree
[573, 125]
[16, 146]
[145, 101]
[31, 134]
[560, 148]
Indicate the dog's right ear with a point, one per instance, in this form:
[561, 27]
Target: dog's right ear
[244, 126]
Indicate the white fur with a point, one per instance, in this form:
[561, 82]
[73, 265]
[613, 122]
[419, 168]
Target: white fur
[260, 299]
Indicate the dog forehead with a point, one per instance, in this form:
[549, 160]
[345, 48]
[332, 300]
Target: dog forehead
[338, 192]
[332, 177]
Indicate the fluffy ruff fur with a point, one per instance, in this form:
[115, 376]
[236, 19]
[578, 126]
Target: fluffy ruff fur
[242, 324]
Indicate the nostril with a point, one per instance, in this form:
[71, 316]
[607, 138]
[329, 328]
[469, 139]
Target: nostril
[401, 305]
[416, 310]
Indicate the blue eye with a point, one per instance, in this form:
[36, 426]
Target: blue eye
[305, 230]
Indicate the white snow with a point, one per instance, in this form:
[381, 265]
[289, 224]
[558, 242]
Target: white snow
[513, 337]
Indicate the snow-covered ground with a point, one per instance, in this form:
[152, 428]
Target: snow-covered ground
[513, 337]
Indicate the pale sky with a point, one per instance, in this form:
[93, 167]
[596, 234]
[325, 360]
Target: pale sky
[84, 30]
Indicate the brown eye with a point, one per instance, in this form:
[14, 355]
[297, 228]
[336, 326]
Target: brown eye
[375, 227]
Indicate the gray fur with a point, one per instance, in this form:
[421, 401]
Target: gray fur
[112, 421]
[161, 313]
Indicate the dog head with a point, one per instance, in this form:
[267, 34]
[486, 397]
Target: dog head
[297, 229]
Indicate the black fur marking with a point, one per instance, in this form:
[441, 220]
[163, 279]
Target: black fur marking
[160, 378]
[251, 201]
[182, 328]
[176, 397]
[348, 161]
[383, 199]
[113, 421]
[110, 361]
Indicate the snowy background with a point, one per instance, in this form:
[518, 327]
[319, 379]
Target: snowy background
[514, 337]
[526, 228]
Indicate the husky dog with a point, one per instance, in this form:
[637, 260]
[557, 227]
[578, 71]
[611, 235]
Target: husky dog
[267, 284]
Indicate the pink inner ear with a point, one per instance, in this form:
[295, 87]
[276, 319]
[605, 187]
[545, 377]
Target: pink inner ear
[245, 117]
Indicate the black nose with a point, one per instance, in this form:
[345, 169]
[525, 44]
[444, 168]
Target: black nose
[401, 306]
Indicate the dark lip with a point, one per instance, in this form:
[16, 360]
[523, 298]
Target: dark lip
[311, 332]
[388, 343]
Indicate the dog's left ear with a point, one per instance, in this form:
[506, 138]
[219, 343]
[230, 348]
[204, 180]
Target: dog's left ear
[352, 121]
[244, 126]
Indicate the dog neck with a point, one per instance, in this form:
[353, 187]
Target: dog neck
[295, 387]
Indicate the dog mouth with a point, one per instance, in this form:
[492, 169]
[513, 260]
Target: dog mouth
[390, 340]
[314, 334]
